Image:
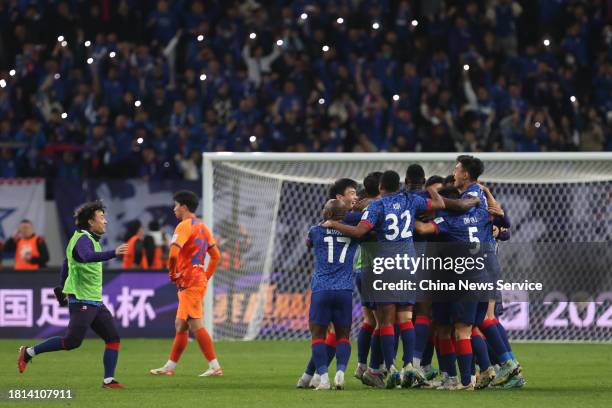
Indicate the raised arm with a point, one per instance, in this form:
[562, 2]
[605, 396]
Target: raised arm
[354, 232]
[461, 205]
[437, 202]
[84, 252]
[490, 198]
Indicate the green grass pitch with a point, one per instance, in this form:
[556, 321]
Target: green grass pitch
[264, 373]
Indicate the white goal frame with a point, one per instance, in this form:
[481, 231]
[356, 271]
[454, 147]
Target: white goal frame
[209, 158]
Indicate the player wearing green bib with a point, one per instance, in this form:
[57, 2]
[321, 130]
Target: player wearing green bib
[82, 292]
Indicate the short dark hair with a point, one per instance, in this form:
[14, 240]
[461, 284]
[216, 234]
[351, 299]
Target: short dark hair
[340, 186]
[450, 179]
[87, 212]
[472, 165]
[25, 221]
[187, 198]
[415, 175]
[371, 183]
[435, 179]
[390, 181]
[449, 192]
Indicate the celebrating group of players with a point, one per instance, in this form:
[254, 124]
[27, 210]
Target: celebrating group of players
[463, 332]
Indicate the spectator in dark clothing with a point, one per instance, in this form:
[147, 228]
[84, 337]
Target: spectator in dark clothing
[206, 76]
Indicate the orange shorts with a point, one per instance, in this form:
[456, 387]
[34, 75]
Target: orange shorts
[190, 303]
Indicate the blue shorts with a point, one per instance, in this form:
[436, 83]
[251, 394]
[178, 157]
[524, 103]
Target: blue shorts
[448, 313]
[331, 306]
[369, 305]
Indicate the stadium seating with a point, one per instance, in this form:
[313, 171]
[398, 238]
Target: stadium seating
[118, 89]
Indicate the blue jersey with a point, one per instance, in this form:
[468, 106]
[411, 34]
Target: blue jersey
[425, 195]
[474, 190]
[352, 218]
[421, 193]
[470, 227]
[333, 254]
[392, 216]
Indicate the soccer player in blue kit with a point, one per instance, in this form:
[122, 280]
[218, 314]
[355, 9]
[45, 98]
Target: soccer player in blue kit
[345, 191]
[466, 173]
[469, 229]
[392, 218]
[332, 292]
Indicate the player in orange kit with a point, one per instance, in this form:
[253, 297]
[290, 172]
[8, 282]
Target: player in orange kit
[191, 241]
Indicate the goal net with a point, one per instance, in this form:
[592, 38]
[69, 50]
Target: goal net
[261, 206]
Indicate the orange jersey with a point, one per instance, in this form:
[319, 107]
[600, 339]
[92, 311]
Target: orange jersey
[194, 238]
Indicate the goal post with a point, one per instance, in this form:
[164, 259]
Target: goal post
[260, 206]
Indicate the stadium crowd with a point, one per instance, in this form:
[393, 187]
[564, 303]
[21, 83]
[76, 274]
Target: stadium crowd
[127, 88]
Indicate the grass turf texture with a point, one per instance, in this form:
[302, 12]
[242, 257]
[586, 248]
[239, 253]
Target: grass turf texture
[264, 373]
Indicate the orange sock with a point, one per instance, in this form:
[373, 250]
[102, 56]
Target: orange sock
[206, 344]
[180, 342]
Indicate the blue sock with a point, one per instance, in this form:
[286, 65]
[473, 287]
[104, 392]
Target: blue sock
[504, 336]
[448, 356]
[408, 338]
[111, 354]
[343, 354]
[481, 353]
[51, 344]
[376, 358]
[427, 352]
[489, 329]
[319, 355]
[464, 358]
[330, 344]
[387, 340]
[310, 368]
[364, 340]
[493, 355]
[396, 339]
[421, 332]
